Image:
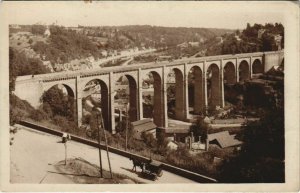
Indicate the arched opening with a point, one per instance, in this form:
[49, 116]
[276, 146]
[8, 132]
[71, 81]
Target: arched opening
[257, 67]
[126, 103]
[59, 101]
[213, 86]
[229, 81]
[153, 104]
[195, 91]
[229, 73]
[175, 94]
[95, 94]
[244, 71]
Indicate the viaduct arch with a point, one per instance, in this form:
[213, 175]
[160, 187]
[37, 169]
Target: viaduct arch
[211, 71]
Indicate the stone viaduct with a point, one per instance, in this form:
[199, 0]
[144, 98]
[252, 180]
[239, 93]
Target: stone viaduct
[218, 69]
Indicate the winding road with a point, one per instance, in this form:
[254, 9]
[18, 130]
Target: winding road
[34, 153]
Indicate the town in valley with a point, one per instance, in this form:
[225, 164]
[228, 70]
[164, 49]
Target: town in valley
[153, 104]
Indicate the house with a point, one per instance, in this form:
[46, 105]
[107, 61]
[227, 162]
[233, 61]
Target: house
[223, 139]
[175, 133]
[198, 146]
[260, 33]
[172, 145]
[104, 53]
[237, 37]
[220, 39]
[194, 44]
[143, 126]
[96, 96]
[278, 39]
[183, 45]
[47, 32]
[15, 26]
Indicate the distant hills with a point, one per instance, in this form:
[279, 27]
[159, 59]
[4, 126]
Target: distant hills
[72, 48]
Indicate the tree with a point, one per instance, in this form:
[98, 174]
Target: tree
[261, 158]
[162, 143]
[13, 70]
[200, 128]
[59, 103]
[38, 29]
[149, 139]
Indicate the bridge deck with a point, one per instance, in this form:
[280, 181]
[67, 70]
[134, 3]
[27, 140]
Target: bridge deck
[115, 69]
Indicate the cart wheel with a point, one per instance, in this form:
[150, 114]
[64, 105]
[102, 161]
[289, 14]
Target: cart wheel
[160, 173]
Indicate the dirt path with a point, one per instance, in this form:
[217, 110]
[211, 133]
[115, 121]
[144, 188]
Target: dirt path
[33, 155]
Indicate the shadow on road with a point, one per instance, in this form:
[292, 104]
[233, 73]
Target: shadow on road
[61, 173]
[138, 173]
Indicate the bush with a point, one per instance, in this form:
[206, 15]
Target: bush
[15, 115]
[38, 29]
[149, 139]
[200, 128]
[18, 109]
[38, 115]
[65, 124]
[20, 64]
[199, 163]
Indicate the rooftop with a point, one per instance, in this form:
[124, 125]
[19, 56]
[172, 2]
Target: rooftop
[224, 139]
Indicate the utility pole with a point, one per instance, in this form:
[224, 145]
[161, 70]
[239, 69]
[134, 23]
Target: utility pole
[66, 153]
[99, 145]
[126, 129]
[102, 124]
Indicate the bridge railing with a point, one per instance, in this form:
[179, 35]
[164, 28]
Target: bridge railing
[106, 70]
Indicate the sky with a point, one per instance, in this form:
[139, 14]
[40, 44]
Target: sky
[234, 15]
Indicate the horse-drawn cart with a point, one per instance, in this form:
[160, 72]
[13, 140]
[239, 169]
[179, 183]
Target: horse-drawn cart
[150, 169]
[153, 170]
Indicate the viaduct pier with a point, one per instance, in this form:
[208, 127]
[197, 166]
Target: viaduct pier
[219, 69]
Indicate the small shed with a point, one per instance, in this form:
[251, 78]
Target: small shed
[141, 126]
[177, 134]
[223, 139]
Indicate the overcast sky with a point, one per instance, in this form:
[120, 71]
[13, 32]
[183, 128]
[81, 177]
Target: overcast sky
[176, 14]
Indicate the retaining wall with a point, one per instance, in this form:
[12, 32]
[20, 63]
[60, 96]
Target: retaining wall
[179, 171]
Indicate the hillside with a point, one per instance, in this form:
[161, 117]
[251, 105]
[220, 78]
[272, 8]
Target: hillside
[72, 48]
[255, 38]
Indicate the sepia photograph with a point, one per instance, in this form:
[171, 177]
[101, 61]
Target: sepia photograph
[180, 96]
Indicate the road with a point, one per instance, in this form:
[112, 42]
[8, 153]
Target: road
[99, 62]
[34, 153]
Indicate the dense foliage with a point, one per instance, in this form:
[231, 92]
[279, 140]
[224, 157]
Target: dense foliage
[249, 40]
[156, 36]
[55, 102]
[20, 64]
[200, 128]
[65, 45]
[38, 29]
[262, 156]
